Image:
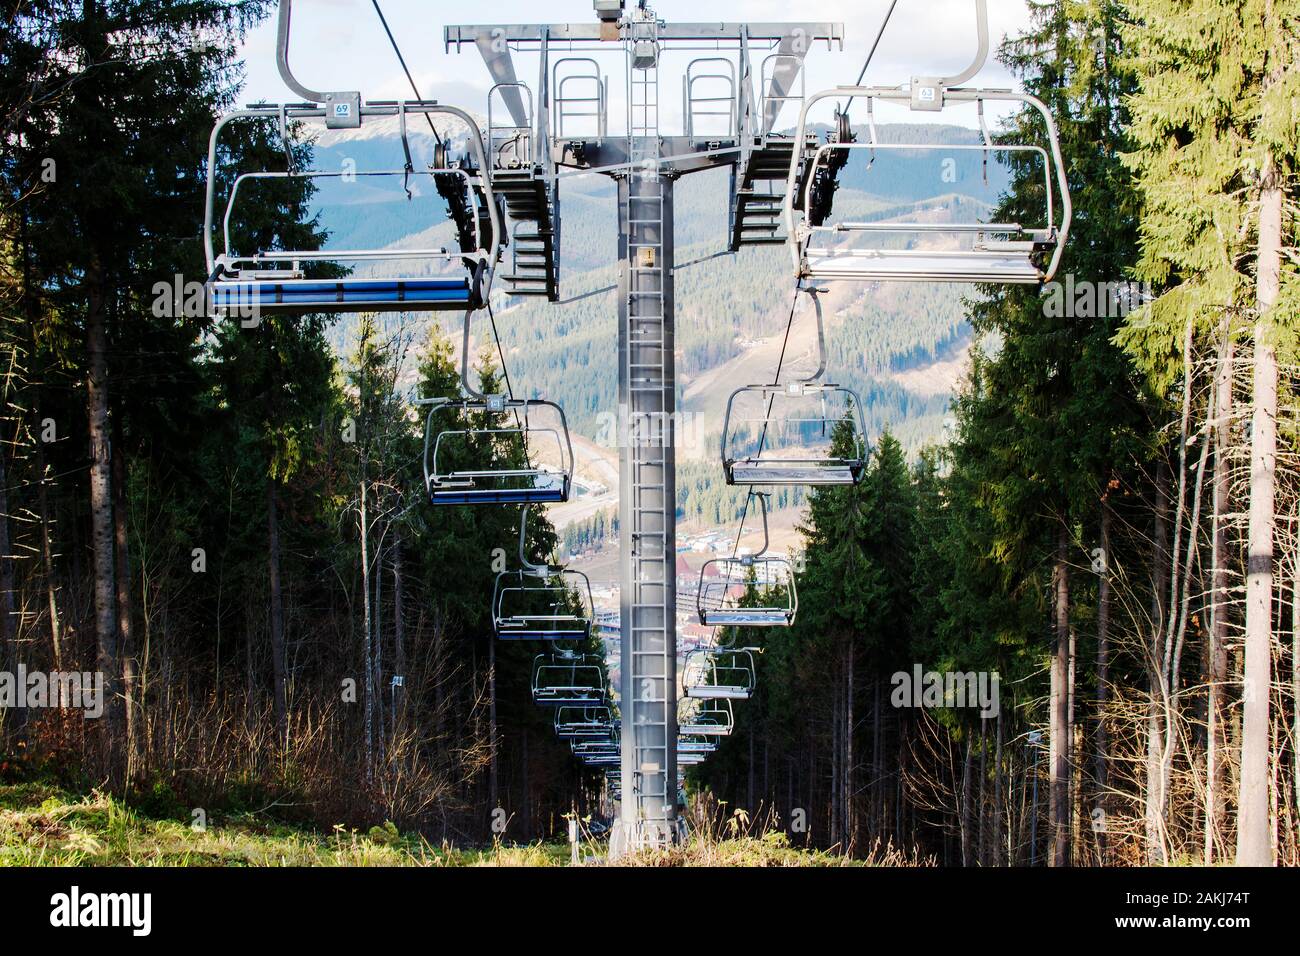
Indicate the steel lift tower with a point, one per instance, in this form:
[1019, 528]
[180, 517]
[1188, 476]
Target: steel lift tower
[532, 145]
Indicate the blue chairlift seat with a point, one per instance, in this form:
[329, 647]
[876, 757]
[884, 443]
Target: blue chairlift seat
[719, 673]
[293, 296]
[554, 605]
[536, 482]
[568, 679]
[279, 281]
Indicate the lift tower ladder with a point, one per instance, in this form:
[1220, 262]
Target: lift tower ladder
[645, 164]
[647, 510]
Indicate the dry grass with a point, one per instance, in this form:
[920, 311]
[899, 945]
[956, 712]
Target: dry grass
[44, 825]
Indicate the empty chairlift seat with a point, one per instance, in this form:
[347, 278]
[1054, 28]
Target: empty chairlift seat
[782, 434]
[719, 673]
[254, 282]
[460, 433]
[918, 247]
[493, 449]
[551, 604]
[755, 590]
[569, 679]
[584, 723]
[695, 744]
[705, 718]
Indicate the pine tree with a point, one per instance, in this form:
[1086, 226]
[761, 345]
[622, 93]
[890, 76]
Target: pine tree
[1216, 143]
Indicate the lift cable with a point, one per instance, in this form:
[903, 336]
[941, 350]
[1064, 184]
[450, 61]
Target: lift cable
[505, 372]
[880, 33]
[402, 60]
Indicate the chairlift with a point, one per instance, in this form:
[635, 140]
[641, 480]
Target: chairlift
[584, 723]
[716, 600]
[456, 430]
[987, 252]
[593, 751]
[696, 744]
[771, 433]
[691, 755]
[568, 678]
[538, 602]
[719, 673]
[697, 718]
[252, 282]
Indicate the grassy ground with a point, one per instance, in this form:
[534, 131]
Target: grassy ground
[44, 825]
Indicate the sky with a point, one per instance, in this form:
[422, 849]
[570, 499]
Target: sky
[340, 45]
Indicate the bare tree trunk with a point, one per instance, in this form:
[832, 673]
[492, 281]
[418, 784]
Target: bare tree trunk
[47, 560]
[1059, 805]
[366, 638]
[1103, 677]
[982, 800]
[836, 750]
[279, 666]
[964, 806]
[848, 749]
[1295, 689]
[1216, 739]
[493, 796]
[377, 662]
[126, 635]
[399, 624]
[1254, 845]
[8, 649]
[1154, 800]
[999, 853]
[107, 661]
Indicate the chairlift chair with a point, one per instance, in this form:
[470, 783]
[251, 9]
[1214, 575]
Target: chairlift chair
[568, 679]
[716, 602]
[770, 431]
[537, 602]
[719, 673]
[266, 281]
[594, 749]
[584, 723]
[456, 429]
[530, 607]
[696, 744]
[999, 253]
[698, 718]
